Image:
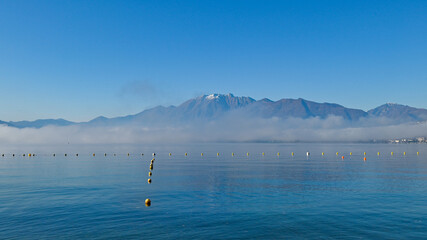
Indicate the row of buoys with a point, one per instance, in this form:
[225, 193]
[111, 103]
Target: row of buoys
[202, 154]
[150, 173]
[293, 154]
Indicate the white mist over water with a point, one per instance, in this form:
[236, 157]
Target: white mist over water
[228, 129]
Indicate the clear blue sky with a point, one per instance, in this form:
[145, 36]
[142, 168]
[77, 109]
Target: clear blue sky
[81, 59]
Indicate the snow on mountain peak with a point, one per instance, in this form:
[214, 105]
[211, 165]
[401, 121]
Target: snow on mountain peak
[212, 97]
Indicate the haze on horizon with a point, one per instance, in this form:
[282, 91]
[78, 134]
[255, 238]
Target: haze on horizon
[78, 59]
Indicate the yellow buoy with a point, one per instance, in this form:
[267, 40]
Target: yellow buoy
[278, 154]
[378, 153]
[263, 153]
[217, 154]
[364, 153]
[351, 153]
[404, 153]
[201, 154]
[170, 154]
[29, 154]
[150, 173]
[392, 153]
[323, 153]
[338, 153]
[186, 154]
[292, 153]
[93, 154]
[232, 154]
[247, 154]
[418, 153]
[147, 202]
[149, 180]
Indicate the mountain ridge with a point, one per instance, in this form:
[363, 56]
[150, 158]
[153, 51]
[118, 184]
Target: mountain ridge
[214, 106]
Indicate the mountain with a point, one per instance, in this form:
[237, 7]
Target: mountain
[211, 107]
[399, 112]
[300, 108]
[40, 123]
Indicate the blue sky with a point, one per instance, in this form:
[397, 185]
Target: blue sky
[81, 59]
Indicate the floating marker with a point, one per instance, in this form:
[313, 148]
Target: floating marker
[154, 154]
[13, 155]
[170, 154]
[404, 153]
[201, 154]
[150, 173]
[364, 153]
[292, 153]
[364, 159]
[308, 154]
[323, 153]
[77, 154]
[23, 155]
[93, 154]
[185, 154]
[147, 202]
[105, 154]
[418, 153]
[378, 153]
[2, 155]
[338, 153]
[65, 154]
[342, 157]
[264, 153]
[114, 154]
[232, 154]
[278, 154]
[54, 154]
[392, 153]
[217, 154]
[29, 154]
[128, 154]
[351, 153]
[149, 181]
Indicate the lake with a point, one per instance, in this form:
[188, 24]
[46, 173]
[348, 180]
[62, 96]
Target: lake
[250, 195]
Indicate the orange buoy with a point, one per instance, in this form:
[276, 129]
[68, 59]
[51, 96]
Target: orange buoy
[342, 157]
[364, 159]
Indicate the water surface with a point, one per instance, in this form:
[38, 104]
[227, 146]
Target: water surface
[243, 196]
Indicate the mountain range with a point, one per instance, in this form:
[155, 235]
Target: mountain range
[211, 107]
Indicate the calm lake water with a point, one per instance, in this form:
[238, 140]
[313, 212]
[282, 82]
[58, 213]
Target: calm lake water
[215, 197]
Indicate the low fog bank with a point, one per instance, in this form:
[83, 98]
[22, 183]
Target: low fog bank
[228, 129]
